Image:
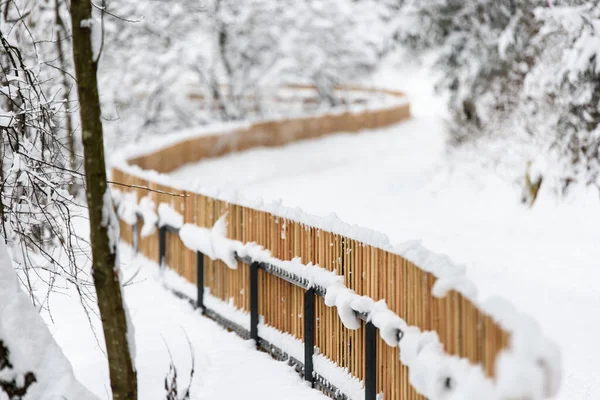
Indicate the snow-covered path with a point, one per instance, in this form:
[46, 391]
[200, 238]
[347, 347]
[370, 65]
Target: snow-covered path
[226, 366]
[400, 181]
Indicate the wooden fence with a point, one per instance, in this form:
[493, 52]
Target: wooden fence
[463, 329]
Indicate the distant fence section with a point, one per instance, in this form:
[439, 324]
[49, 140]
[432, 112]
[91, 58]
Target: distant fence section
[272, 133]
[463, 329]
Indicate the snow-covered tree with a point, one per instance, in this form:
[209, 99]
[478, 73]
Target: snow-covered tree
[523, 71]
[35, 172]
[232, 55]
[333, 42]
[569, 79]
[149, 66]
[483, 49]
[246, 59]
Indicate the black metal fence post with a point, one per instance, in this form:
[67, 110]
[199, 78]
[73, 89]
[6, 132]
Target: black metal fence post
[200, 280]
[309, 335]
[162, 245]
[370, 362]
[254, 302]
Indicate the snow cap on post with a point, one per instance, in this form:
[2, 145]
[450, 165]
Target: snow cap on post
[148, 210]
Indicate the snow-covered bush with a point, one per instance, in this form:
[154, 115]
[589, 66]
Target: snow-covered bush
[483, 50]
[521, 71]
[571, 77]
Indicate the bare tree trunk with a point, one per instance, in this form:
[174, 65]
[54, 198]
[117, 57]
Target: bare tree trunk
[106, 278]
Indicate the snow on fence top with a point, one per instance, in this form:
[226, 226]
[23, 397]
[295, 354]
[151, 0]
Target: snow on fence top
[508, 345]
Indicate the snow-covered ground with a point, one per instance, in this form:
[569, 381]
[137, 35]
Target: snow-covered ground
[402, 181]
[226, 366]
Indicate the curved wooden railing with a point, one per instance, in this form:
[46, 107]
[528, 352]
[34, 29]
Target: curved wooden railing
[370, 266]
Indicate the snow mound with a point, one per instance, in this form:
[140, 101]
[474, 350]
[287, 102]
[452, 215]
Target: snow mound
[147, 209]
[168, 216]
[31, 345]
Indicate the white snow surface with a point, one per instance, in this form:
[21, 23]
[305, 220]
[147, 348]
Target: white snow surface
[127, 206]
[338, 376]
[168, 216]
[437, 209]
[315, 274]
[31, 346]
[402, 182]
[226, 366]
[110, 221]
[211, 242]
[197, 239]
[147, 209]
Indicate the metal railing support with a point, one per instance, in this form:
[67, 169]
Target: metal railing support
[200, 281]
[162, 245]
[370, 361]
[254, 301]
[310, 375]
[309, 335]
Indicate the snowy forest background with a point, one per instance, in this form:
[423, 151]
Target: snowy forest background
[514, 72]
[516, 75]
[521, 73]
